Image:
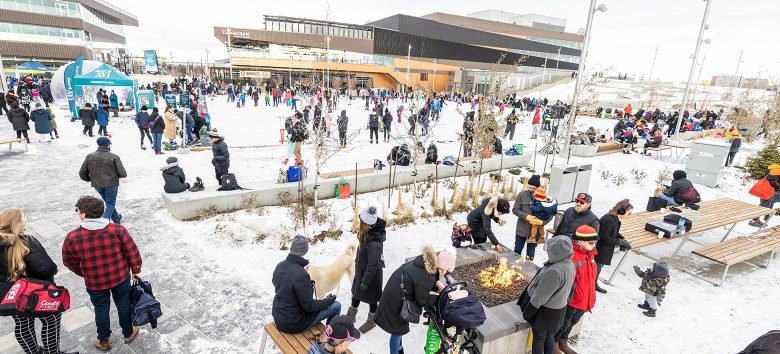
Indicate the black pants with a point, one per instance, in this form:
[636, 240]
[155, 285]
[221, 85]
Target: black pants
[145, 131]
[19, 134]
[543, 343]
[3, 108]
[386, 133]
[343, 137]
[87, 129]
[371, 307]
[220, 170]
[730, 158]
[24, 331]
[373, 134]
[573, 315]
[103, 130]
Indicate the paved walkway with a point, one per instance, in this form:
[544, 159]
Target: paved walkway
[205, 311]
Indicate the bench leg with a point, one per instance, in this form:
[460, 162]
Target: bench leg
[262, 342]
[614, 272]
[723, 278]
[771, 255]
[729, 232]
[679, 247]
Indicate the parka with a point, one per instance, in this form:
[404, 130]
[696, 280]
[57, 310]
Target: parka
[174, 178]
[367, 285]
[171, 125]
[87, 116]
[41, 118]
[19, 118]
[294, 307]
[544, 300]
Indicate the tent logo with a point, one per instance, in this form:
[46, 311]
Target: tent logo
[102, 73]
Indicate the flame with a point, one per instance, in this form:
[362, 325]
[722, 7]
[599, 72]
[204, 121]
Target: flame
[500, 276]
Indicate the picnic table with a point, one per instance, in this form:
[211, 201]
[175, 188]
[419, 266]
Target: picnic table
[712, 214]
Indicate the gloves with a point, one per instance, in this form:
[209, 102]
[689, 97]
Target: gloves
[637, 271]
[330, 298]
[624, 244]
[533, 220]
[363, 287]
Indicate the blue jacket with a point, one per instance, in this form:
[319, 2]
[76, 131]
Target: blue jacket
[41, 118]
[142, 119]
[113, 101]
[544, 210]
[102, 117]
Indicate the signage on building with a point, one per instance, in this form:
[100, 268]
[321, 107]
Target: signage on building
[236, 33]
[256, 74]
[150, 61]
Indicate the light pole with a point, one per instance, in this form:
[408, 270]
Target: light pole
[739, 61]
[652, 66]
[230, 55]
[408, 56]
[290, 71]
[558, 59]
[698, 77]
[693, 64]
[584, 54]
[2, 75]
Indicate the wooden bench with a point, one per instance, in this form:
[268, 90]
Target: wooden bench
[659, 149]
[292, 343]
[741, 249]
[608, 147]
[11, 142]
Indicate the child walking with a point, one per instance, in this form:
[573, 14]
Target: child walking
[52, 124]
[654, 283]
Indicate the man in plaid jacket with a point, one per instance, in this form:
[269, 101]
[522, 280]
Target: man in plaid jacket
[104, 254]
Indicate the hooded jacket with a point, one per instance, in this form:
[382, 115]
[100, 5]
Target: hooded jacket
[102, 168]
[544, 301]
[173, 175]
[572, 220]
[221, 153]
[480, 221]
[87, 116]
[19, 118]
[368, 265]
[171, 125]
[584, 297]
[294, 306]
[342, 122]
[101, 116]
[37, 262]
[654, 280]
[419, 279]
[41, 118]
[679, 184]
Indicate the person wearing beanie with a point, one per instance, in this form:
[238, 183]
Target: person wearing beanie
[674, 193]
[42, 120]
[144, 123]
[584, 295]
[373, 127]
[221, 155]
[295, 308]
[173, 175]
[412, 281]
[367, 283]
[735, 139]
[578, 215]
[610, 237]
[525, 219]
[342, 121]
[461, 234]
[157, 128]
[101, 116]
[480, 220]
[773, 177]
[387, 122]
[103, 169]
[88, 118]
[339, 334]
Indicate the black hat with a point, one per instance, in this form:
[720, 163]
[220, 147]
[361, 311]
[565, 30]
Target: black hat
[341, 328]
[584, 197]
[535, 181]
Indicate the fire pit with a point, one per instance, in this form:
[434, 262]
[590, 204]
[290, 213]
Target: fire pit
[494, 281]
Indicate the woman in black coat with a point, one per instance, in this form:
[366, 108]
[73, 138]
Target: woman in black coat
[610, 237]
[88, 118]
[173, 175]
[480, 220]
[367, 285]
[419, 279]
[20, 121]
[23, 256]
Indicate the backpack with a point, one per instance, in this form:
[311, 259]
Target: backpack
[144, 307]
[432, 155]
[282, 178]
[498, 146]
[36, 298]
[690, 195]
[458, 310]
[228, 183]
[448, 160]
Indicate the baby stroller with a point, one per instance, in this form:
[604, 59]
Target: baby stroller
[454, 321]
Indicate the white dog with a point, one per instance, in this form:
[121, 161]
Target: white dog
[326, 278]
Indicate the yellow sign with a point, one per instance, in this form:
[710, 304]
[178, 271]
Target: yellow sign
[256, 74]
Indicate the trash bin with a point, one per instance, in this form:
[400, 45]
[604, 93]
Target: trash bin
[568, 180]
[583, 179]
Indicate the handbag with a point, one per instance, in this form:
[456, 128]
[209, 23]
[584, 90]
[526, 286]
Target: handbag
[762, 189]
[342, 189]
[655, 204]
[410, 310]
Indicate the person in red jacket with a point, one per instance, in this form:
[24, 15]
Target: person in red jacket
[627, 111]
[535, 123]
[584, 297]
[104, 254]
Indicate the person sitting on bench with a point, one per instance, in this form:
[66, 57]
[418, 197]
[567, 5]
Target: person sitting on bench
[673, 193]
[653, 141]
[175, 179]
[400, 155]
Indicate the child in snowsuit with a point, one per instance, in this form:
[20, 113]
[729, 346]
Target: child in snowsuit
[654, 283]
[461, 234]
[53, 125]
[543, 209]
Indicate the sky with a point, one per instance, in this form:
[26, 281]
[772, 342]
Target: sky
[624, 38]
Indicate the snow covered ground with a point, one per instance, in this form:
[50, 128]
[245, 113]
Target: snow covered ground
[243, 247]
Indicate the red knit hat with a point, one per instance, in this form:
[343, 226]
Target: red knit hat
[540, 193]
[586, 233]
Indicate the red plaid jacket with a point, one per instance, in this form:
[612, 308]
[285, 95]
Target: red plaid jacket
[102, 257]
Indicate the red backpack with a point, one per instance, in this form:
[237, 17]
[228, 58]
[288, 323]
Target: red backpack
[34, 297]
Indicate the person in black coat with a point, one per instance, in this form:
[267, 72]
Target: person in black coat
[342, 122]
[419, 279]
[221, 159]
[173, 176]
[373, 127]
[3, 106]
[680, 184]
[294, 308]
[88, 118]
[578, 215]
[387, 120]
[480, 220]
[610, 237]
[157, 124]
[23, 256]
[20, 121]
[367, 285]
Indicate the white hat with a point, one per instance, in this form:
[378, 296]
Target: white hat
[461, 220]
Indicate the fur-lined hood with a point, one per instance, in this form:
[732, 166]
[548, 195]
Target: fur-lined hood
[491, 205]
[6, 239]
[170, 165]
[429, 260]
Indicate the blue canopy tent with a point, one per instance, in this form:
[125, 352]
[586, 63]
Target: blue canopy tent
[32, 67]
[108, 76]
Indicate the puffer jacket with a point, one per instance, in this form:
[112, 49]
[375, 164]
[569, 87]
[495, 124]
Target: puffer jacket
[171, 125]
[37, 262]
[294, 307]
[654, 280]
[544, 300]
[521, 209]
[367, 285]
[571, 220]
[41, 118]
[584, 297]
[101, 116]
[102, 168]
[679, 184]
[173, 175]
[221, 153]
[19, 118]
[87, 116]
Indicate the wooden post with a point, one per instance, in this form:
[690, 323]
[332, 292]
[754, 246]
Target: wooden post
[389, 182]
[356, 183]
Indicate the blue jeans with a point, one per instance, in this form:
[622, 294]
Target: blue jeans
[520, 242]
[101, 301]
[189, 130]
[109, 196]
[332, 311]
[395, 344]
[158, 142]
[669, 200]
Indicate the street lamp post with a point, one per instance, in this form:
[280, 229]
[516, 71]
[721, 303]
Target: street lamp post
[652, 66]
[698, 78]
[230, 55]
[581, 69]
[408, 56]
[693, 64]
[2, 75]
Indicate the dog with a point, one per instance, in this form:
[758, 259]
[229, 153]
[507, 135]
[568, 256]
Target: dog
[327, 278]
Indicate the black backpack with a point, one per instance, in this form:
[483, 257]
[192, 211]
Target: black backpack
[228, 183]
[498, 147]
[432, 154]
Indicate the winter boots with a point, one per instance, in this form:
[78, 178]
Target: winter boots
[198, 186]
[103, 345]
[649, 313]
[143, 147]
[600, 289]
[368, 325]
[645, 306]
[352, 313]
[563, 345]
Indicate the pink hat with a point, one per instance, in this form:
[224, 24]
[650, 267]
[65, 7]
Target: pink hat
[445, 260]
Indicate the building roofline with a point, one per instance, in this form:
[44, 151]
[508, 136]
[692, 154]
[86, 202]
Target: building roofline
[314, 22]
[123, 17]
[510, 27]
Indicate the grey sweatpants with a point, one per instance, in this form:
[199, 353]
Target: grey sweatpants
[652, 300]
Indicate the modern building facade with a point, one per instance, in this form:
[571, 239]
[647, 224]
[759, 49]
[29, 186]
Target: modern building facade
[528, 20]
[739, 81]
[437, 51]
[56, 31]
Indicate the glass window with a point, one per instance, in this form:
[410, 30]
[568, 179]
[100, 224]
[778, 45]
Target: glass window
[307, 28]
[41, 31]
[55, 32]
[36, 6]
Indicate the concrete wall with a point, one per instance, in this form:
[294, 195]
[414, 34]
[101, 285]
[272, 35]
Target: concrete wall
[187, 205]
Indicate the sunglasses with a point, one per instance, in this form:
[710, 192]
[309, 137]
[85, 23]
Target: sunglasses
[581, 202]
[329, 331]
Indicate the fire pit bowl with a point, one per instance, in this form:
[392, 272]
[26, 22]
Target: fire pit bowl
[494, 281]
